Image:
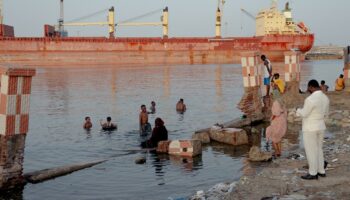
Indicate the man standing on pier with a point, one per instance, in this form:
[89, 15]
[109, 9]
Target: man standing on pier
[267, 73]
[315, 109]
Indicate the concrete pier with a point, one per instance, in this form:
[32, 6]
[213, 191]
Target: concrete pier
[15, 92]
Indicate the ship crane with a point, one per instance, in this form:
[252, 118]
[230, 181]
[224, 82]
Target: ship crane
[248, 13]
[112, 24]
[219, 14]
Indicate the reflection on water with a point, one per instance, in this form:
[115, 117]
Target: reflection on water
[63, 97]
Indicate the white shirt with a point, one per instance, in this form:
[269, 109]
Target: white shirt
[266, 72]
[316, 108]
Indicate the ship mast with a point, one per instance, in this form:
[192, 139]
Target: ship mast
[61, 19]
[219, 13]
[1, 12]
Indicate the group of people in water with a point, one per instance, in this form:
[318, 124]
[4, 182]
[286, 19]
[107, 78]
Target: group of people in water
[159, 132]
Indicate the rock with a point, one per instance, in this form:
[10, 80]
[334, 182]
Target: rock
[189, 148]
[255, 131]
[238, 123]
[348, 139]
[293, 197]
[140, 160]
[230, 136]
[336, 116]
[346, 113]
[203, 137]
[298, 119]
[256, 155]
[290, 119]
[163, 146]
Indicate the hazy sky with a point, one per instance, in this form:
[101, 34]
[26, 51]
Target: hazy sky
[326, 18]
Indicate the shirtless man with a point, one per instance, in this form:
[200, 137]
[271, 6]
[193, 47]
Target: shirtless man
[180, 106]
[87, 124]
[145, 127]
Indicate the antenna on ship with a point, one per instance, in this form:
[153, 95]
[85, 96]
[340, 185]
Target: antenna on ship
[1, 12]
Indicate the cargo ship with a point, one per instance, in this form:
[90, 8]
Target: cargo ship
[276, 32]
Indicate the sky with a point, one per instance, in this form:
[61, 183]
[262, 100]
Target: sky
[187, 18]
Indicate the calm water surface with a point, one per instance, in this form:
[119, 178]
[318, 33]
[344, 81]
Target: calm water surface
[61, 98]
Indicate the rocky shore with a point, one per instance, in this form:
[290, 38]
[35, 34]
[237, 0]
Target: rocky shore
[280, 178]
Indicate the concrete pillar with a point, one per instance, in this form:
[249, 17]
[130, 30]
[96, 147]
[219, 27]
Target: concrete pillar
[251, 104]
[15, 91]
[292, 71]
[347, 68]
[292, 78]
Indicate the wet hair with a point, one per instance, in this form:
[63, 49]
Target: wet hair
[341, 76]
[109, 119]
[153, 102]
[313, 83]
[263, 57]
[143, 106]
[276, 75]
[87, 117]
[159, 122]
[323, 82]
[181, 100]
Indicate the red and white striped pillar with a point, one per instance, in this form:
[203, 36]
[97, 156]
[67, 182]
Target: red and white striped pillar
[292, 71]
[15, 91]
[292, 66]
[250, 103]
[251, 70]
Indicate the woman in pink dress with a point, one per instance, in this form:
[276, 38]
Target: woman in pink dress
[278, 126]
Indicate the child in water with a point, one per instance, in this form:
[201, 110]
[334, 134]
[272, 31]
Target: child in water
[87, 124]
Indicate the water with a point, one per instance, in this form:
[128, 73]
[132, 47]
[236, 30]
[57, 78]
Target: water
[61, 98]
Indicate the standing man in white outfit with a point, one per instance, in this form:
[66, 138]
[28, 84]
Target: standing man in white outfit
[316, 107]
[267, 73]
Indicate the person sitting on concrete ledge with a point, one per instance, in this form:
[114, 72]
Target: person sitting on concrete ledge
[108, 125]
[339, 83]
[324, 87]
[278, 82]
[87, 124]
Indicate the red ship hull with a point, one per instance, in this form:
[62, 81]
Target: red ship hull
[73, 51]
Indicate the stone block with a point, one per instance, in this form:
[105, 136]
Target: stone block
[232, 136]
[189, 148]
[163, 146]
[256, 155]
[203, 137]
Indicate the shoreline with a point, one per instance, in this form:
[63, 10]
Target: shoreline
[280, 179]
